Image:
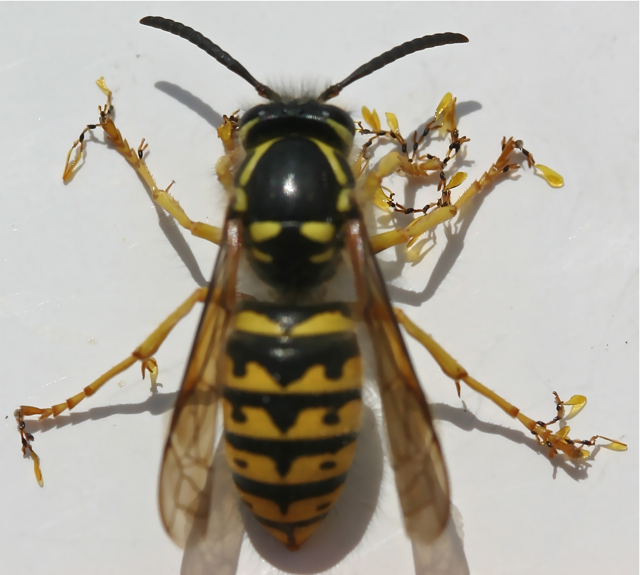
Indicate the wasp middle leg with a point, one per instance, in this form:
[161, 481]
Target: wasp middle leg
[143, 353]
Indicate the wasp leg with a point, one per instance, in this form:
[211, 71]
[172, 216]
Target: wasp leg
[26, 439]
[424, 223]
[136, 161]
[555, 441]
[143, 353]
[413, 163]
[227, 132]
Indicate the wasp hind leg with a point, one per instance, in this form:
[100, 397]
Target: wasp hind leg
[135, 158]
[143, 353]
[558, 441]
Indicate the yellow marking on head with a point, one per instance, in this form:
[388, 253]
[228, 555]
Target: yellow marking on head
[304, 469]
[330, 154]
[259, 151]
[344, 200]
[298, 510]
[308, 425]
[261, 256]
[321, 232]
[241, 200]
[246, 127]
[323, 323]
[253, 322]
[263, 231]
[323, 257]
[344, 133]
[314, 380]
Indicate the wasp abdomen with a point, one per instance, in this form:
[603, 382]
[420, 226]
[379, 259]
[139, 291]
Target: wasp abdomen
[292, 407]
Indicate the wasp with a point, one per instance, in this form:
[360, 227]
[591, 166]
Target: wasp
[285, 363]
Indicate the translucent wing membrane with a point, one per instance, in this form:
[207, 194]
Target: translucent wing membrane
[184, 497]
[421, 477]
[218, 546]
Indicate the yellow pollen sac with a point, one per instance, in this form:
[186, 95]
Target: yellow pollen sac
[321, 232]
[553, 178]
[323, 257]
[263, 231]
[371, 118]
[392, 120]
[457, 179]
[261, 256]
[444, 104]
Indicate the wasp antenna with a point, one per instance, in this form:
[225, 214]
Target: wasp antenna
[210, 48]
[391, 56]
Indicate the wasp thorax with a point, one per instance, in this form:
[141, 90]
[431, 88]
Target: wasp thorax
[293, 191]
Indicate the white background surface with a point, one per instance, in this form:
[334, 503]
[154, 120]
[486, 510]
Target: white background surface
[538, 292]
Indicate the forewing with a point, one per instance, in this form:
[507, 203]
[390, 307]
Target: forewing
[184, 497]
[421, 476]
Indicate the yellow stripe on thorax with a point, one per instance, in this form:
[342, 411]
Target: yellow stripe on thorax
[263, 231]
[258, 152]
[321, 232]
[344, 133]
[330, 154]
[322, 257]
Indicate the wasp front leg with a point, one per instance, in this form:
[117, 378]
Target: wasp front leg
[143, 353]
[415, 163]
[558, 441]
[135, 158]
[445, 208]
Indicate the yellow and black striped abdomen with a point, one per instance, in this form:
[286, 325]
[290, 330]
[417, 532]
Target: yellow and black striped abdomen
[292, 407]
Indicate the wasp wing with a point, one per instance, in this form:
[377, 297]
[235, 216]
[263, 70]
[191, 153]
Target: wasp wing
[188, 454]
[218, 548]
[421, 476]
